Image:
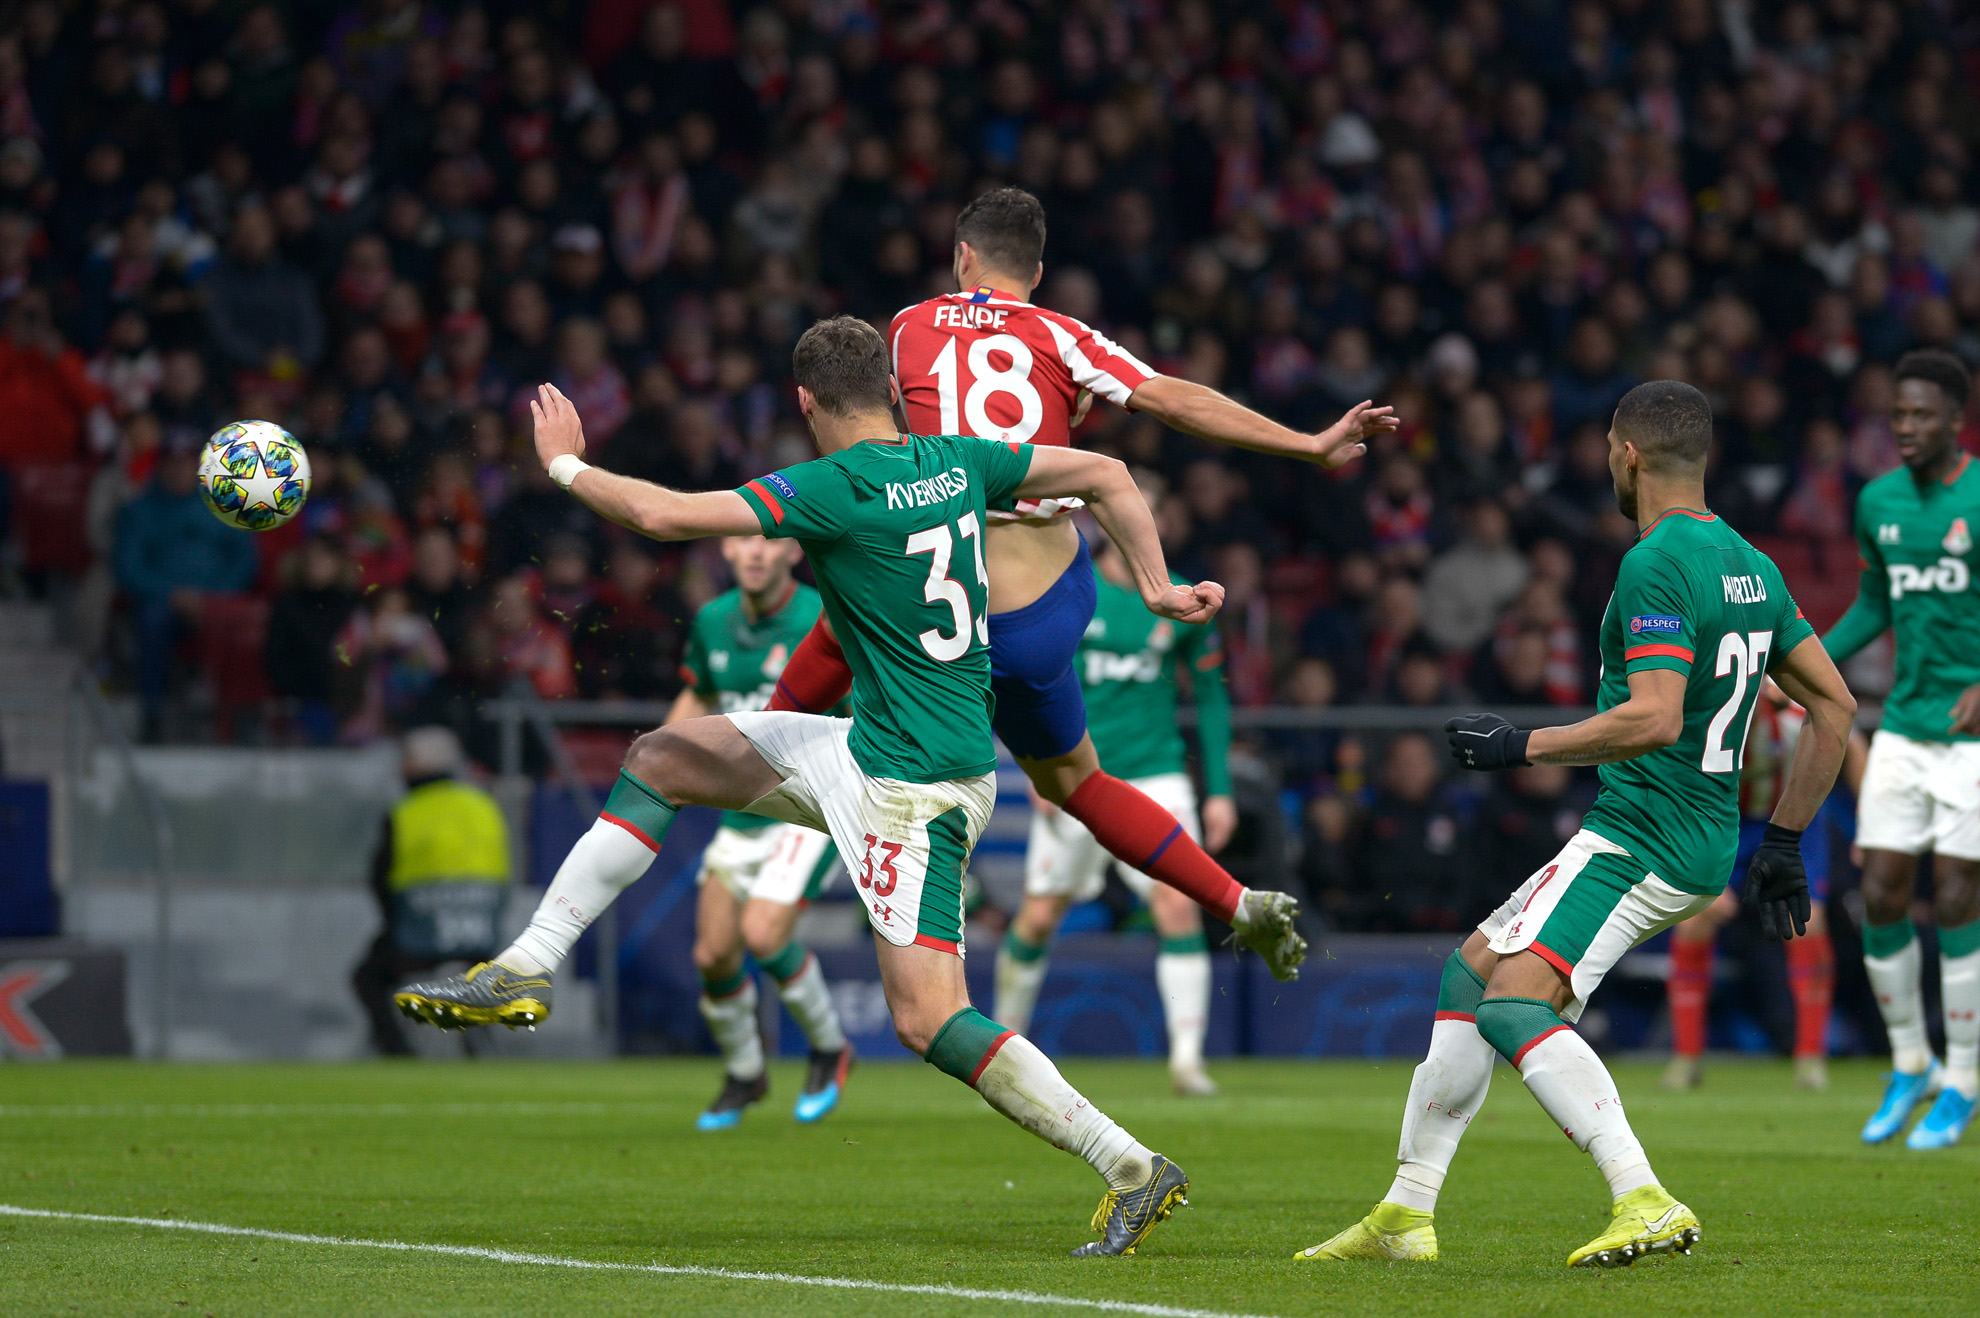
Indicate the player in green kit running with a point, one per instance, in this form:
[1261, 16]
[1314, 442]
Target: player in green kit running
[1128, 663]
[757, 873]
[1921, 787]
[1697, 618]
[893, 527]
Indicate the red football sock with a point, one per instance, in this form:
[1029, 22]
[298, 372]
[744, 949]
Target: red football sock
[1812, 976]
[816, 677]
[1689, 990]
[1142, 834]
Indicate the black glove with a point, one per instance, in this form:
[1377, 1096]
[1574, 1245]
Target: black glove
[1777, 883]
[1486, 741]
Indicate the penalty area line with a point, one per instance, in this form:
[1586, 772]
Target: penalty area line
[650, 1269]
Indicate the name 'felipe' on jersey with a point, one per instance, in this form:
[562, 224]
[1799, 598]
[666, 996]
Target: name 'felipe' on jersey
[1693, 598]
[979, 363]
[894, 532]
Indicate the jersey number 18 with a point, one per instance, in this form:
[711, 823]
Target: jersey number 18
[986, 381]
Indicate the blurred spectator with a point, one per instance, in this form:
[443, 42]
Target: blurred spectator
[1412, 872]
[171, 553]
[528, 646]
[627, 640]
[261, 311]
[303, 628]
[389, 658]
[1470, 584]
[45, 390]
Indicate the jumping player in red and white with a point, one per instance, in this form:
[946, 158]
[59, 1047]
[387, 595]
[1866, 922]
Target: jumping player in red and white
[986, 362]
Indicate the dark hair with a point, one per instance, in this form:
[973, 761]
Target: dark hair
[1006, 226]
[1941, 368]
[1668, 421]
[843, 362]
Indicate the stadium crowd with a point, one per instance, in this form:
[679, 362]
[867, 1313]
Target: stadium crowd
[382, 222]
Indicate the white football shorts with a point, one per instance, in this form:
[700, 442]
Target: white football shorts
[781, 863]
[1920, 796]
[905, 844]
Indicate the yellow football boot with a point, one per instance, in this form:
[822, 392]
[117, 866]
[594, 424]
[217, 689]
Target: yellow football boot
[488, 994]
[1392, 1234]
[1644, 1221]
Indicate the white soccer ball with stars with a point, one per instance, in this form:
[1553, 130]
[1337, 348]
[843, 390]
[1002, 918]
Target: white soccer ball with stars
[253, 475]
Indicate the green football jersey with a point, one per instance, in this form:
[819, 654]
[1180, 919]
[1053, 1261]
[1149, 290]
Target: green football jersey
[1917, 548]
[1128, 661]
[1694, 598]
[733, 660]
[894, 531]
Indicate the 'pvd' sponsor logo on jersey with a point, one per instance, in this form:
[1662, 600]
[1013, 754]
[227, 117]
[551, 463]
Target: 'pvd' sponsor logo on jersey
[1947, 576]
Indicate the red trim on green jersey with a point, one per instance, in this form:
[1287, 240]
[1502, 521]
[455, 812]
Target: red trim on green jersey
[633, 829]
[996, 1045]
[1657, 652]
[1535, 1042]
[1552, 958]
[762, 491]
[939, 944]
[1696, 516]
[1957, 472]
[1457, 1016]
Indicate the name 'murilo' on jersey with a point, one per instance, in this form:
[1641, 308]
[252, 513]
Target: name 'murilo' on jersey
[1693, 598]
[894, 532]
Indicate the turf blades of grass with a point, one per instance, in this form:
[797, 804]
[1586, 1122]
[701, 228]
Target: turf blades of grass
[914, 1182]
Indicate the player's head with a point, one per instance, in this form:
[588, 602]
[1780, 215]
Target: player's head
[840, 365]
[1002, 232]
[1930, 399]
[1663, 428]
[761, 566]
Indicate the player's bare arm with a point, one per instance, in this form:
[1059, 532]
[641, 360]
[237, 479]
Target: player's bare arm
[1109, 490]
[1201, 411]
[1651, 719]
[1811, 679]
[652, 510]
[1966, 712]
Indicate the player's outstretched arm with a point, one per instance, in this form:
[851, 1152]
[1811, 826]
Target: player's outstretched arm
[1198, 410]
[637, 505]
[1651, 719]
[1109, 490]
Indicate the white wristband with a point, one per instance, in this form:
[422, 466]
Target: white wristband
[565, 467]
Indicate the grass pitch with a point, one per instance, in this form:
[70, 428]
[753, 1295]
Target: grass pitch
[914, 1183]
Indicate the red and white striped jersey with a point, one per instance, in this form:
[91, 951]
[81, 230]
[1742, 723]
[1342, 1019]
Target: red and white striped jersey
[983, 364]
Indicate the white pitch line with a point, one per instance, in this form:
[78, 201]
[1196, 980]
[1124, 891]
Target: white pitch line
[571, 1108]
[655, 1269]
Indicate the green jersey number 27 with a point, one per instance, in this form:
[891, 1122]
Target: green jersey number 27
[939, 543]
[1742, 658]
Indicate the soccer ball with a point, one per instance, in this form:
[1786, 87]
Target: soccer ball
[253, 475]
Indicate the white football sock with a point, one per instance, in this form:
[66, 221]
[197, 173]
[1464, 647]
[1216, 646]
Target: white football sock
[1018, 983]
[1445, 1094]
[1571, 1083]
[1959, 988]
[1022, 1083]
[1183, 980]
[1894, 979]
[604, 863]
[732, 1020]
[809, 999]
